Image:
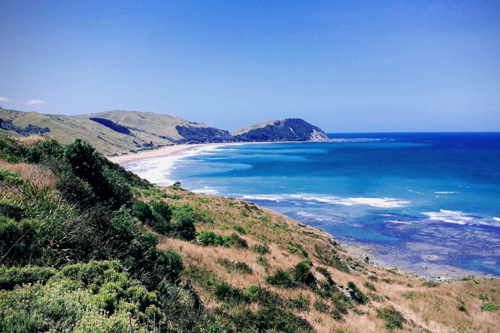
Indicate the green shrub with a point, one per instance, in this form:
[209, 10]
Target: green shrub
[142, 211]
[209, 238]
[238, 266]
[185, 227]
[358, 295]
[9, 177]
[302, 274]
[269, 318]
[462, 308]
[261, 249]
[252, 293]
[17, 276]
[162, 215]
[321, 307]
[338, 264]
[203, 200]
[294, 250]
[262, 260]
[202, 216]
[393, 319]
[239, 229]
[45, 152]
[236, 241]
[373, 278]
[281, 280]
[301, 303]
[489, 307]
[265, 218]
[225, 293]
[242, 268]
[370, 286]
[341, 302]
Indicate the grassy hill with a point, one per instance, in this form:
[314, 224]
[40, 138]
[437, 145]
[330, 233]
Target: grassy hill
[85, 244]
[147, 129]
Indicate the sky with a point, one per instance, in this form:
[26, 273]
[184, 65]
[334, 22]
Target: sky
[345, 66]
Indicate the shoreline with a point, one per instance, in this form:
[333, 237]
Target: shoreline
[357, 249]
[175, 149]
[161, 152]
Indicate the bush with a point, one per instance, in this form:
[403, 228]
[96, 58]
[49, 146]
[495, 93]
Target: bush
[370, 286]
[238, 266]
[489, 307]
[151, 266]
[142, 211]
[281, 280]
[338, 264]
[321, 307]
[209, 238]
[17, 276]
[161, 217]
[358, 295]
[236, 241]
[301, 303]
[393, 319]
[294, 250]
[252, 293]
[225, 293]
[462, 308]
[239, 229]
[9, 177]
[262, 260]
[261, 249]
[185, 227]
[45, 151]
[302, 274]
[78, 298]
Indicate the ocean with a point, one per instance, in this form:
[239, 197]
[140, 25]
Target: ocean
[426, 203]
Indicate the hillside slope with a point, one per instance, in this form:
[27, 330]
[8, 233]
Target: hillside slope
[290, 129]
[144, 130]
[175, 129]
[85, 243]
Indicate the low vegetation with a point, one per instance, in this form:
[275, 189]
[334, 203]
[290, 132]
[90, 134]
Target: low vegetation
[86, 244]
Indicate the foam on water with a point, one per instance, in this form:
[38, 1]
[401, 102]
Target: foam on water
[449, 216]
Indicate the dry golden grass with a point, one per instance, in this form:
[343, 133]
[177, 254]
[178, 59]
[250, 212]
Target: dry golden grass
[423, 307]
[34, 173]
[31, 140]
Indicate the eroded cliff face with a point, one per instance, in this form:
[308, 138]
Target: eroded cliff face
[291, 129]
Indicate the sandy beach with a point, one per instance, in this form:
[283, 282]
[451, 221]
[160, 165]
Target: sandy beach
[164, 151]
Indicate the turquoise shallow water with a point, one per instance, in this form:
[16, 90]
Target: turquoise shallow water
[426, 202]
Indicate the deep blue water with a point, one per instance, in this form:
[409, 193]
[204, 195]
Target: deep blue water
[427, 202]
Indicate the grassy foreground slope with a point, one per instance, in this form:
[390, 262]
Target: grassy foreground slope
[86, 246]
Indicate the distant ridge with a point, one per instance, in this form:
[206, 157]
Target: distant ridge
[118, 132]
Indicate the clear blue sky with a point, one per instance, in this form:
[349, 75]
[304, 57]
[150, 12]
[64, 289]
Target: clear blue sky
[346, 66]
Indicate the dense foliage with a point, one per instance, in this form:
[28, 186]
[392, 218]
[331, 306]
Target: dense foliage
[73, 253]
